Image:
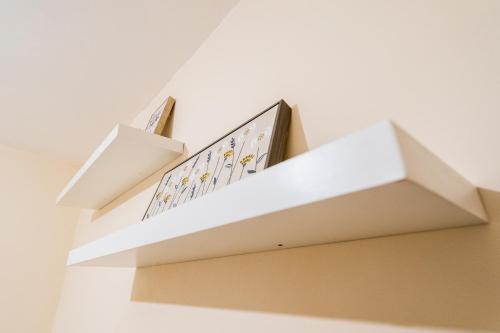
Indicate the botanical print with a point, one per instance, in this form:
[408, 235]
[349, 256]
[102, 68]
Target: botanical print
[155, 118]
[159, 118]
[238, 155]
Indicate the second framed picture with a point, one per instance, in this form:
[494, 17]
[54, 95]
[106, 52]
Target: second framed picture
[255, 145]
[158, 120]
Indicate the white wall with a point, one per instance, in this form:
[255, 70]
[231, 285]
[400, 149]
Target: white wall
[35, 238]
[74, 69]
[432, 66]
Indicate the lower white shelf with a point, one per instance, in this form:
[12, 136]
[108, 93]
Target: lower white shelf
[375, 182]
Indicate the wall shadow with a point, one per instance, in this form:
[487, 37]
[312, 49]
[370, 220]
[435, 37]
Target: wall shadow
[297, 141]
[168, 130]
[435, 279]
[425, 279]
[491, 201]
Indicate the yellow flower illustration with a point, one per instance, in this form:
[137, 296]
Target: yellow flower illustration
[185, 180]
[166, 198]
[204, 177]
[247, 159]
[228, 153]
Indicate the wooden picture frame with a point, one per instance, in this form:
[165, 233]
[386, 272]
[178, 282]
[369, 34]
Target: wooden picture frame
[158, 120]
[253, 146]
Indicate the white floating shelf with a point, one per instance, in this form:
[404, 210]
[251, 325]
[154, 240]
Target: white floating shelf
[127, 156]
[376, 182]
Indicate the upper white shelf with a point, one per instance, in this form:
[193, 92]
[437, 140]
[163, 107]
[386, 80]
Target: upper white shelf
[376, 182]
[127, 156]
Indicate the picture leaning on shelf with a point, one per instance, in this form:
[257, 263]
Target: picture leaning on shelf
[158, 120]
[252, 147]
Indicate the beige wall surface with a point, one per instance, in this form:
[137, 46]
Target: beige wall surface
[432, 66]
[35, 238]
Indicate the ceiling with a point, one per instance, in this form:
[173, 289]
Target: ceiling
[71, 70]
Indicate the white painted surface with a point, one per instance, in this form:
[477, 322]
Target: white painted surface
[71, 70]
[356, 187]
[125, 157]
[35, 239]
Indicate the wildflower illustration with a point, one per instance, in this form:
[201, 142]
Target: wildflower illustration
[188, 191]
[203, 179]
[176, 187]
[209, 159]
[184, 187]
[243, 151]
[229, 153]
[242, 137]
[153, 120]
[259, 158]
[244, 163]
[193, 185]
[158, 197]
[233, 165]
[157, 203]
[192, 191]
[213, 179]
[166, 198]
[183, 182]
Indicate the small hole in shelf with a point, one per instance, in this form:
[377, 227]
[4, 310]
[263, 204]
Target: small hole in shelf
[280, 244]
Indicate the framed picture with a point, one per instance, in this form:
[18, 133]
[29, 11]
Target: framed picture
[159, 118]
[255, 145]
